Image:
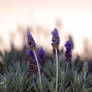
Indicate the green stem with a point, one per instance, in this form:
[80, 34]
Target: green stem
[34, 83]
[38, 70]
[56, 69]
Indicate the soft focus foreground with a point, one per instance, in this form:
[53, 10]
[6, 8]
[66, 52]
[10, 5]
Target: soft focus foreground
[19, 72]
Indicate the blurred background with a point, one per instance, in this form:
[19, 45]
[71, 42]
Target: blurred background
[73, 18]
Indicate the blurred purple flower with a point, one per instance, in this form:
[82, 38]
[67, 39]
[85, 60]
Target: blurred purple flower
[31, 41]
[68, 52]
[30, 53]
[55, 38]
[41, 57]
[32, 62]
[68, 44]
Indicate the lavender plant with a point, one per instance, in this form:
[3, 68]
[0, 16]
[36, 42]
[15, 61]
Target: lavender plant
[23, 72]
[55, 43]
[68, 52]
[41, 57]
[32, 45]
[32, 63]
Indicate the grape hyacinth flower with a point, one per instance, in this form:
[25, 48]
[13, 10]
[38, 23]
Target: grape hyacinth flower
[32, 62]
[55, 44]
[41, 57]
[68, 52]
[31, 41]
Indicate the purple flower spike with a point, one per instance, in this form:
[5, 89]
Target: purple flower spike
[55, 38]
[41, 57]
[55, 32]
[68, 52]
[31, 41]
[32, 62]
[29, 36]
[30, 53]
[68, 44]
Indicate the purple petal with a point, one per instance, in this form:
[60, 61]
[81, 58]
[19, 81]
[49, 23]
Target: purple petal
[30, 53]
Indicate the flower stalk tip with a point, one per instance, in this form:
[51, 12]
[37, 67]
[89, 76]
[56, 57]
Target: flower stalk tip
[41, 57]
[31, 41]
[68, 52]
[55, 38]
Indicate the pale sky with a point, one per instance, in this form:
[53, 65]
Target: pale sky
[76, 16]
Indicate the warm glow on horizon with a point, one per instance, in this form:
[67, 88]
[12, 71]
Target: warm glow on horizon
[75, 15]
